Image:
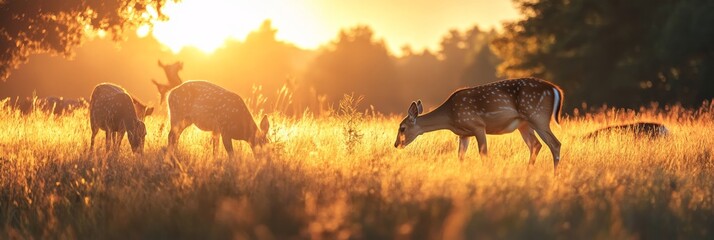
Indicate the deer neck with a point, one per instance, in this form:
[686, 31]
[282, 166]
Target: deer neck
[435, 120]
[173, 77]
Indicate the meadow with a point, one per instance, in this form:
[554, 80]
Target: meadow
[338, 176]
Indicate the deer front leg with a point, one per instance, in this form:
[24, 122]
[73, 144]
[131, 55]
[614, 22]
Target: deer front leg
[94, 134]
[215, 140]
[463, 146]
[482, 147]
[177, 128]
[118, 139]
[109, 138]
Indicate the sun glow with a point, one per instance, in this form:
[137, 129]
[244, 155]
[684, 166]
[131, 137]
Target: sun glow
[207, 24]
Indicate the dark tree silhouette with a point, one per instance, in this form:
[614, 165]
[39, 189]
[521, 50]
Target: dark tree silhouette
[453, 54]
[624, 53]
[481, 62]
[464, 59]
[356, 63]
[420, 77]
[37, 26]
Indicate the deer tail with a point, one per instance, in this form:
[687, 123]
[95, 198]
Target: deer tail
[557, 103]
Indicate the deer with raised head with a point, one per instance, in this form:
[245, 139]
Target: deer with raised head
[113, 110]
[171, 71]
[214, 109]
[526, 104]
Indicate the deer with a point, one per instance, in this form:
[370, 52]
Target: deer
[25, 105]
[114, 110]
[501, 107]
[214, 109]
[649, 130]
[171, 71]
[59, 105]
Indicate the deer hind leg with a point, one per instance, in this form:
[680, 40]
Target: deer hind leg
[228, 144]
[531, 140]
[463, 146]
[549, 138]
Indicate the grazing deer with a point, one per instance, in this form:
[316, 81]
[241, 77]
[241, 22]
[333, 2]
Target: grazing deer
[526, 104]
[141, 110]
[215, 109]
[639, 129]
[113, 110]
[174, 80]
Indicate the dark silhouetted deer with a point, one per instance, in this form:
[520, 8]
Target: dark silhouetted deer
[116, 112]
[639, 129]
[59, 105]
[25, 105]
[50, 105]
[526, 104]
[215, 109]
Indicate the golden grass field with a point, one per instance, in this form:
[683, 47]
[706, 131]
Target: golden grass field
[339, 177]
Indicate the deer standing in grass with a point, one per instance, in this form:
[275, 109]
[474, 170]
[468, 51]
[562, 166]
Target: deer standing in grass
[526, 104]
[215, 109]
[116, 112]
[171, 71]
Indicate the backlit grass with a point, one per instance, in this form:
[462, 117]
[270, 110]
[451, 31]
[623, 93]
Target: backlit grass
[319, 180]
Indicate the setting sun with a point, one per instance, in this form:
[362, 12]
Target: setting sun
[207, 24]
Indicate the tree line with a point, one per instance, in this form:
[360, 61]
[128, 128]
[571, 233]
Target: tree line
[601, 52]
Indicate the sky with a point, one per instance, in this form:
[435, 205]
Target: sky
[311, 23]
[206, 24]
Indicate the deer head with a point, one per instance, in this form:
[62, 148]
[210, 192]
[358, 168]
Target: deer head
[409, 128]
[175, 67]
[136, 135]
[261, 135]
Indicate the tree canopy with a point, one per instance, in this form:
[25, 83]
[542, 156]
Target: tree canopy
[37, 26]
[624, 53]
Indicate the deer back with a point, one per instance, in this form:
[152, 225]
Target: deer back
[211, 108]
[523, 98]
[112, 110]
[108, 89]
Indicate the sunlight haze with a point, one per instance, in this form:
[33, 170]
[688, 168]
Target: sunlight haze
[309, 24]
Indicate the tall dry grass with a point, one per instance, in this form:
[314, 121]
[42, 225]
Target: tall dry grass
[339, 177]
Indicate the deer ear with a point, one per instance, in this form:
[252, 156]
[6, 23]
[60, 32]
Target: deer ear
[420, 107]
[413, 111]
[161, 64]
[149, 111]
[265, 124]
